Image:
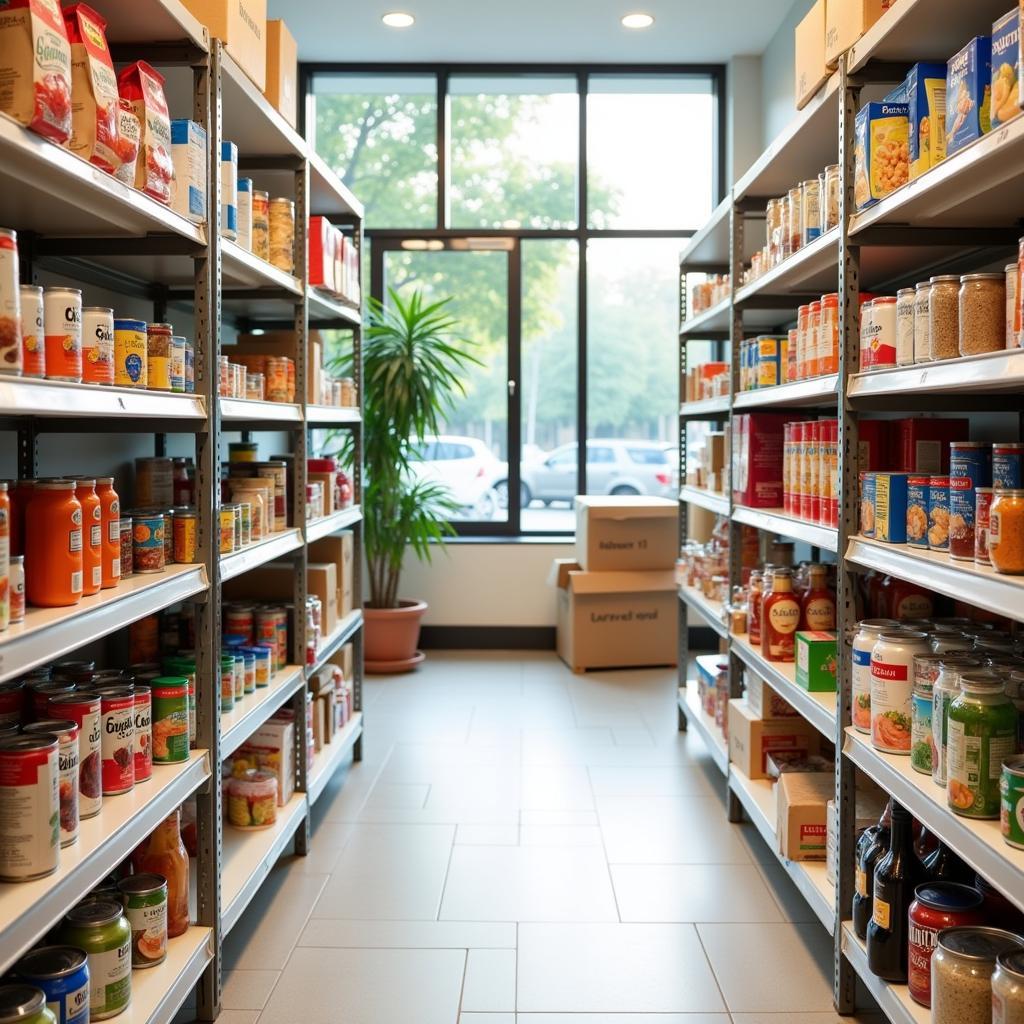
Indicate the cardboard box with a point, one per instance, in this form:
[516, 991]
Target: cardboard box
[757, 460]
[319, 724]
[846, 21]
[241, 25]
[926, 104]
[347, 662]
[322, 582]
[968, 94]
[764, 702]
[751, 739]
[810, 66]
[272, 747]
[1006, 68]
[338, 548]
[882, 135]
[615, 619]
[626, 534]
[816, 661]
[188, 153]
[802, 814]
[891, 507]
[282, 88]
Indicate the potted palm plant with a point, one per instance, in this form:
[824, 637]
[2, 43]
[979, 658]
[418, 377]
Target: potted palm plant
[413, 366]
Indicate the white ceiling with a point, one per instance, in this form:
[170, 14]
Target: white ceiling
[542, 31]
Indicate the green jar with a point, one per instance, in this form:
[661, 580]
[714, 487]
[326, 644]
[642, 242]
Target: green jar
[24, 1004]
[102, 930]
[982, 734]
[145, 905]
[170, 719]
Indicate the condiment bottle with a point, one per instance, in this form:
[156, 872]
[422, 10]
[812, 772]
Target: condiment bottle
[873, 842]
[53, 545]
[92, 535]
[165, 855]
[897, 874]
[818, 604]
[754, 611]
[943, 865]
[780, 619]
[110, 525]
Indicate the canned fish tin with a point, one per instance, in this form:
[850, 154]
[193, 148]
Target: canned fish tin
[1011, 792]
[67, 733]
[170, 720]
[33, 335]
[29, 807]
[131, 354]
[142, 747]
[24, 1004]
[1007, 465]
[117, 742]
[97, 345]
[177, 364]
[62, 973]
[62, 322]
[917, 511]
[148, 551]
[970, 466]
[84, 709]
[102, 930]
[186, 535]
[144, 897]
[938, 513]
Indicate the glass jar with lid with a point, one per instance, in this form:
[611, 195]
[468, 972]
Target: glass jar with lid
[892, 685]
[944, 317]
[830, 198]
[1008, 988]
[982, 313]
[1006, 531]
[868, 631]
[944, 689]
[963, 963]
[922, 295]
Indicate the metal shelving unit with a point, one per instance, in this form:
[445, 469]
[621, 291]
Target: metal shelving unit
[962, 215]
[85, 226]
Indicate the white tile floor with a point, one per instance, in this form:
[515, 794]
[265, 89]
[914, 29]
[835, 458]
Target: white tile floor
[525, 846]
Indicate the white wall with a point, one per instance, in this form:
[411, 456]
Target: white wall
[778, 91]
[471, 584]
[744, 137]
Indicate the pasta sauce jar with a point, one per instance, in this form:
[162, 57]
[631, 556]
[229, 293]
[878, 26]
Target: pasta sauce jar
[936, 905]
[1006, 531]
[53, 545]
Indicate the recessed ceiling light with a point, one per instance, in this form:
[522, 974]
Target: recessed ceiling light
[398, 19]
[638, 20]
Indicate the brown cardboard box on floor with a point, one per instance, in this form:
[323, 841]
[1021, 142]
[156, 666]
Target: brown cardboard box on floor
[615, 619]
[282, 88]
[241, 25]
[751, 739]
[626, 533]
[338, 548]
[802, 814]
[846, 21]
[810, 66]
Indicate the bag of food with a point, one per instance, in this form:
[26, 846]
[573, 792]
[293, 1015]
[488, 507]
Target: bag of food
[94, 134]
[143, 88]
[35, 67]
[128, 135]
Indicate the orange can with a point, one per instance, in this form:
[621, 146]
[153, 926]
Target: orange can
[53, 545]
[110, 524]
[62, 321]
[92, 535]
[277, 378]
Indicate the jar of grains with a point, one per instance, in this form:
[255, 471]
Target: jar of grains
[1008, 988]
[905, 301]
[982, 313]
[1006, 531]
[922, 293]
[282, 234]
[962, 967]
[944, 317]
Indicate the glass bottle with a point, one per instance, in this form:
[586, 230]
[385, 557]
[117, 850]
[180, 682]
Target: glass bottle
[943, 865]
[873, 843]
[780, 617]
[818, 605]
[165, 854]
[897, 874]
[754, 608]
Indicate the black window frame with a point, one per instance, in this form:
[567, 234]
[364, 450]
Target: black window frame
[715, 74]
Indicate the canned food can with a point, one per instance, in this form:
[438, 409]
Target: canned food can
[117, 742]
[33, 335]
[143, 742]
[126, 531]
[158, 356]
[277, 471]
[263, 657]
[177, 364]
[238, 621]
[190, 368]
[170, 720]
[100, 928]
[62, 322]
[148, 551]
[249, 666]
[144, 897]
[938, 513]
[67, 732]
[282, 234]
[186, 535]
[62, 974]
[12, 701]
[169, 537]
[97, 345]
[154, 482]
[970, 467]
[10, 304]
[236, 512]
[245, 517]
[1007, 463]
[29, 807]
[1011, 793]
[238, 674]
[84, 709]
[918, 497]
[243, 451]
[131, 354]
[227, 683]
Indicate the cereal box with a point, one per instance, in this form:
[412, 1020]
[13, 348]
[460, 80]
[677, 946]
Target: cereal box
[881, 151]
[757, 460]
[918, 497]
[1006, 67]
[771, 360]
[926, 103]
[968, 94]
[188, 151]
[891, 507]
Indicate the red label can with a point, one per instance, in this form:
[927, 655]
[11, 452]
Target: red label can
[84, 708]
[117, 726]
[936, 905]
[238, 621]
[67, 733]
[143, 742]
[29, 807]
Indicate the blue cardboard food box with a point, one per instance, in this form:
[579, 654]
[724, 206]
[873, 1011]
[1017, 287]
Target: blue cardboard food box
[926, 103]
[968, 94]
[1006, 67]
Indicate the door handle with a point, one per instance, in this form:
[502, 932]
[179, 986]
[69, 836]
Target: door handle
[511, 389]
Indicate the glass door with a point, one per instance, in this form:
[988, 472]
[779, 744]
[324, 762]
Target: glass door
[480, 279]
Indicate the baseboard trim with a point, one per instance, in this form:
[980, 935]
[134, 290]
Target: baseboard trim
[521, 638]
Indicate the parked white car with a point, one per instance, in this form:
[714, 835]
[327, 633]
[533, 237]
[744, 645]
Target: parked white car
[467, 467]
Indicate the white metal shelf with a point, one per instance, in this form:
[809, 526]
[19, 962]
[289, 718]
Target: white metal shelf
[31, 908]
[980, 585]
[709, 611]
[277, 545]
[333, 415]
[48, 634]
[812, 270]
[152, 21]
[990, 373]
[159, 992]
[776, 521]
[237, 725]
[327, 308]
[893, 1000]
[30, 396]
[341, 520]
[759, 799]
[979, 843]
[245, 410]
[709, 247]
[249, 855]
[710, 407]
[244, 269]
[818, 708]
[817, 391]
[689, 703]
[329, 195]
[343, 632]
[330, 756]
[715, 318]
[703, 498]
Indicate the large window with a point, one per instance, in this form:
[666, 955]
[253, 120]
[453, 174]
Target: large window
[550, 204]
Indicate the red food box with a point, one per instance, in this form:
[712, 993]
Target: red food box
[872, 449]
[757, 459]
[323, 237]
[923, 443]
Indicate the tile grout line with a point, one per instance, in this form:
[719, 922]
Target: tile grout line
[711, 968]
[604, 847]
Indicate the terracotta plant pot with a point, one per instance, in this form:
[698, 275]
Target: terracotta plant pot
[392, 636]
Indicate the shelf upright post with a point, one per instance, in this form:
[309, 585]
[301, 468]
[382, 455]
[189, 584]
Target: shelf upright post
[684, 508]
[207, 111]
[844, 992]
[357, 493]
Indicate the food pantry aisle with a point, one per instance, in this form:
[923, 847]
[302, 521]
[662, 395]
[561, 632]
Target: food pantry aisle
[522, 844]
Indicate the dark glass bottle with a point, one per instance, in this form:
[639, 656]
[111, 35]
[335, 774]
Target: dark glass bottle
[897, 873]
[943, 865]
[873, 844]
[925, 842]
